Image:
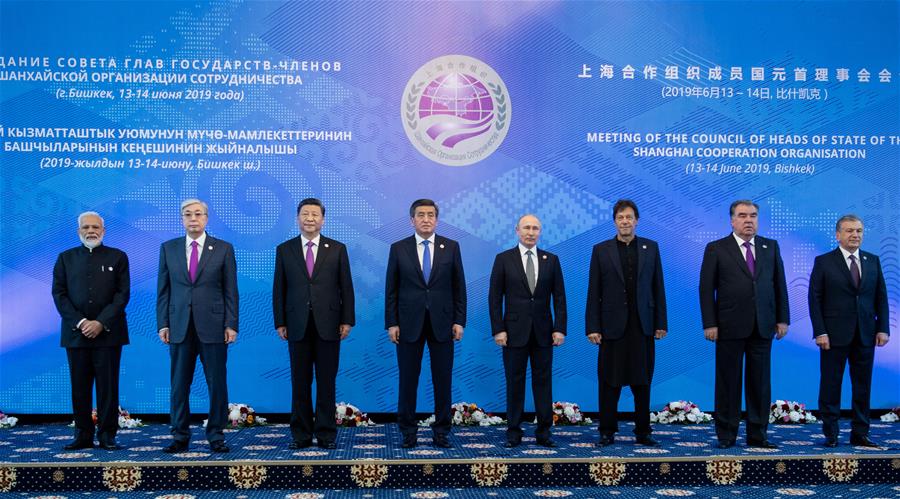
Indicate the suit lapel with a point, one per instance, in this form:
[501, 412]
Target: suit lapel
[412, 253]
[641, 257]
[844, 269]
[612, 252]
[324, 252]
[211, 244]
[732, 248]
[515, 259]
[543, 271]
[178, 248]
[297, 247]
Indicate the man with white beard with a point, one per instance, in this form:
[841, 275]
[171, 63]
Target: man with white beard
[91, 287]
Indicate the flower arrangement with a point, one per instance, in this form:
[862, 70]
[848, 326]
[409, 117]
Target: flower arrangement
[125, 419]
[242, 416]
[567, 413]
[891, 417]
[790, 412]
[349, 415]
[467, 414]
[7, 422]
[680, 412]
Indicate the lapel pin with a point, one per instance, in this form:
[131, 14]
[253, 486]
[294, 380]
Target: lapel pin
[764, 246]
[110, 269]
[326, 245]
[544, 257]
[441, 246]
[210, 248]
[864, 258]
[644, 246]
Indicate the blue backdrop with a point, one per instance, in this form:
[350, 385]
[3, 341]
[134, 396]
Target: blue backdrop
[116, 106]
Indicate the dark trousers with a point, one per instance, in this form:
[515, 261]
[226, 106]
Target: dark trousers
[609, 405]
[313, 352]
[831, 371]
[515, 364]
[730, 358]
[183, 357]
[87, 365]
[409, 366]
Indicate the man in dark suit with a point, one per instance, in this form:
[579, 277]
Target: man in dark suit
[524, 280]
[744, 303]
[312, 300]
[197, 314]
[91, 287]
[424, 302]
[626, 312]
[848, 307]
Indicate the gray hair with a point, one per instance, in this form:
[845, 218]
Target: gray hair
[846, 218]
[188, 202]
[740, 202]
[90, 214]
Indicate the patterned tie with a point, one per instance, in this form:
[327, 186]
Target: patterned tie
[192, 266]
[751, 262]
[310, 258]
[854, 271]
[529, 271]
[426, 261]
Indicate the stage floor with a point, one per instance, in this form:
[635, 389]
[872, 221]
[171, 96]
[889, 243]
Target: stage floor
[43, 444]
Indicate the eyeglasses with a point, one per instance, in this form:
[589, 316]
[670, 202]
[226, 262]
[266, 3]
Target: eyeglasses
[196, 214]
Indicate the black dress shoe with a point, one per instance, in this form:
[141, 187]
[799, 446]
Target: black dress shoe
[219, 446]
[761, 444]
[79, 444]
[725, 444]
[513, 443]
[410, 442]
[176, 447]
[546, 442]
[300, 444]
[110, 446]
[441, 442]
[327, 444]
[830, 442]
[863, 442]
[606, 440]
[646, 440]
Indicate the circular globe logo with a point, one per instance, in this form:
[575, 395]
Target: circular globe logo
[456, 110]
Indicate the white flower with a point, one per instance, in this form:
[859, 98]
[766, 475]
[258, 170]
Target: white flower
[692, 417]
[235, 414]
[569, 411]
[675, 405]
[795, 416]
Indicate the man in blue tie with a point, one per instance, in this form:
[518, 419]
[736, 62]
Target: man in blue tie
[424, 302]
[197, 314]
[848, 307]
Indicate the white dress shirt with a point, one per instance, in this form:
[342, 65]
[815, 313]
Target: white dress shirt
[201, 241]
[740, 243]
[534, 256]
[847, 259]
[420, 249]
[315, 247]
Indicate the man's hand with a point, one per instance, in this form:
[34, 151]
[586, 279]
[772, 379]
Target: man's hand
[282, 332]
[164, 335]
[500, 338]
[394, 334]
[881, 339]
[823, 342]
[659, 334]
[595, 338]
[91, 329]
[711, 333]
[344, 330]
[780, 330]
[558, 338]
[457, 332]
[230, 335]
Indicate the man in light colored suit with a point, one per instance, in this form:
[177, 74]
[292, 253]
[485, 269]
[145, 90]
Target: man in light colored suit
[848, 307]
[197, 314]
[525, 283]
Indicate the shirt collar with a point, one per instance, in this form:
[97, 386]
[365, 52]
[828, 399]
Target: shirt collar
[200, 241]
[847, 253]
[523, 249]
[314, 240]
[419, 239]
[741, 241]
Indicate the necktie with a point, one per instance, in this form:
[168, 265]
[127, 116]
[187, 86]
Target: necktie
[751, 262]
[310, 258]
[854, 271]
[192, 266]
[529, 271]
[426, 261]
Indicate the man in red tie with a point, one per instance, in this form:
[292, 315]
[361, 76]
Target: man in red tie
[848, 307]
[197, 315]
[744, 304]
[313, 306]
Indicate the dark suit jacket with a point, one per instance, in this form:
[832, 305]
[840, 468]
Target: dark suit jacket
[524, 311]
[407, 296]
[607, 307]
[734, 300]
[837, 307]
[93, 285]
[329, 291]
[212, 300]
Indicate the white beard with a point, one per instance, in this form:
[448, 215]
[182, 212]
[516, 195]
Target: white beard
[90, 243]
